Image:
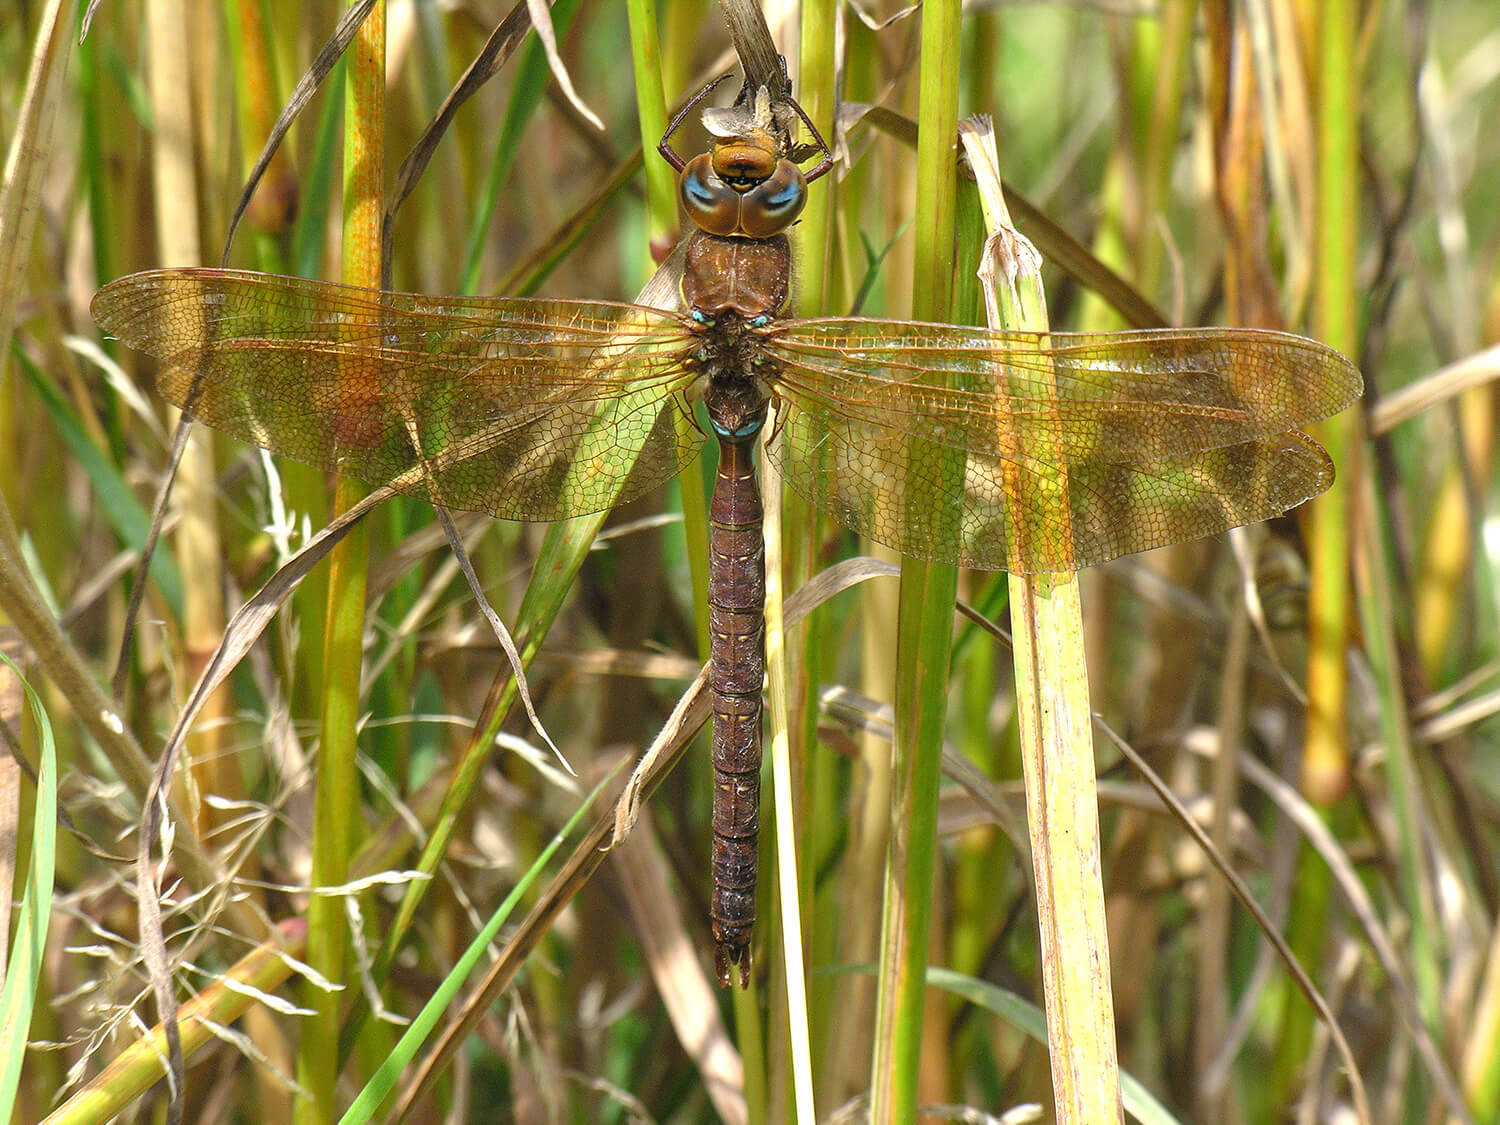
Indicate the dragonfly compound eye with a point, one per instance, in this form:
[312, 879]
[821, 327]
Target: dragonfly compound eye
[771, 206]
[712, 204]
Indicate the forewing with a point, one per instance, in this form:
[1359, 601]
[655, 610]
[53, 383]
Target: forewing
[526, 409]
[945, 444]
[1122, 396]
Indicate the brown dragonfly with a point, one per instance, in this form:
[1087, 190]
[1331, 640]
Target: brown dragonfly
[932, 439]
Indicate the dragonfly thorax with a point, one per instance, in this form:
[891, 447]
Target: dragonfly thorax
[747, 276]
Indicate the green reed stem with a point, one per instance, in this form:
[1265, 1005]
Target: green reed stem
[1325, 758]
[1325, 762]
[924, 627]
[337, 813]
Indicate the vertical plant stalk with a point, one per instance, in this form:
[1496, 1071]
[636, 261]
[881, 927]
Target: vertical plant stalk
[1055, 725]
[336, 809]
[174, 185]
[783, 789]
[1325, 762]
[925, 626]
[818, 797]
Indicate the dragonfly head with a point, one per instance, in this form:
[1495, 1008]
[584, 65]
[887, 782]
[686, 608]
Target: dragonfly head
[743, 188]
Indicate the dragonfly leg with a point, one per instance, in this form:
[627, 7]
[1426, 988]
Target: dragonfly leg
[669, 154]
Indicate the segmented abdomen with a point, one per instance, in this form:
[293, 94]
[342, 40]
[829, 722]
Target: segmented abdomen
[736, 614]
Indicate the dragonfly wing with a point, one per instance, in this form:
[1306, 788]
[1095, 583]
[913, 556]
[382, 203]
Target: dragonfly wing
[1104, 396]
[526, 409]
[939, 453]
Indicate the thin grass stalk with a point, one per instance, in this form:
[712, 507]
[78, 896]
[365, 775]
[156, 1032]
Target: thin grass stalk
[305, 488]
[196, 541]
[858, 899]
[651, 107]
[783, 788]
[1213, 952]
[1179, 21]
[808, 778]
[924, 628]
[1404, 779]
[337, 813]
[1057, 751]
[1325, 763]
[819, 795]
[978, 858]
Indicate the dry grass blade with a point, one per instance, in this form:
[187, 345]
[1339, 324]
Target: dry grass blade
[757, 52]
[1477, 370]
[1053, 712]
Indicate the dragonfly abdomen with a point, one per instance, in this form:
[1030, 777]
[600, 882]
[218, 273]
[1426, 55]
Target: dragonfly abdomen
[736, 614]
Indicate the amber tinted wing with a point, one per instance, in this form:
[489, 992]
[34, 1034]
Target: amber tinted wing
[526, 409]
[936, 440]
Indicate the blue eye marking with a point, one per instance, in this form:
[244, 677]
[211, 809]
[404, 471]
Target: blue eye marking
[749, 429]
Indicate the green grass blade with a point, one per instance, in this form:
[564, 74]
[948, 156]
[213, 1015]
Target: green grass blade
[23, 966]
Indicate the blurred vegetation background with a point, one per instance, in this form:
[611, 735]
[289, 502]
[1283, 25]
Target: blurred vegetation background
[1180, 143]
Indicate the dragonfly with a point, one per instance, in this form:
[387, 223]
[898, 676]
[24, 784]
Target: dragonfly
[933, 439]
